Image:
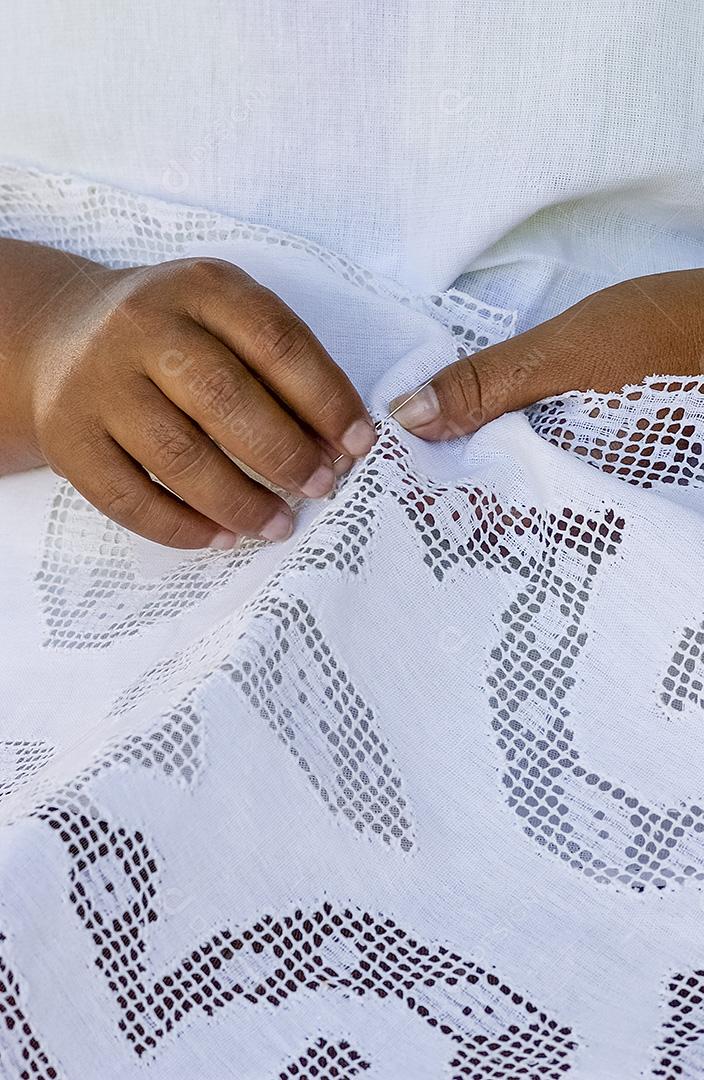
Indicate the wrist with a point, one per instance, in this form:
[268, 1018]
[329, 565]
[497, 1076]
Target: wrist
[41, 300]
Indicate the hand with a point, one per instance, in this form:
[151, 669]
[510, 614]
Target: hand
[154, 369]
[649, 325]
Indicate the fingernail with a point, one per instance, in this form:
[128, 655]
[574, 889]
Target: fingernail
[417, 409]
[278, 527]
[342, 464]
[319, 483]
[224, 540]
[359, 438]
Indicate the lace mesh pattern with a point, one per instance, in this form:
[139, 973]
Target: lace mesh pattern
[491, 1030]
[20, 761]
[121, 229]
[425, 781]
[22, 1050]
[683, 684]
[77, 590]
[645, 436]
[681, 1052]
[326, 1060]
[319, 714]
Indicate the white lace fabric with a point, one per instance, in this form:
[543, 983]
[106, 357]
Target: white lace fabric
[416, 794]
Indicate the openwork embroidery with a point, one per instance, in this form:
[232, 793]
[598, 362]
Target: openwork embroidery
[548, 784]
[91, 590]
[680, 1053]
[20, 761]
[592, 822]
[20, 1047]
[73, 214]
[326, 1060]
[173, 748]
[286, 671]
[558, 556]
[183, 670]
[492, 1031]
[683, 683]
[645, 436]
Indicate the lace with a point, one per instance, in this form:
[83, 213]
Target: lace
[436, 758]
[120, 229]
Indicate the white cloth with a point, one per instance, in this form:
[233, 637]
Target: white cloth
[424, 139]
[417, 794]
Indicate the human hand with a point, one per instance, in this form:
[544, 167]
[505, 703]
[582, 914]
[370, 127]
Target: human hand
[151, 370]
[649, 325]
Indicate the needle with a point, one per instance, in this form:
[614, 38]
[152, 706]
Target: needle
[394, 410]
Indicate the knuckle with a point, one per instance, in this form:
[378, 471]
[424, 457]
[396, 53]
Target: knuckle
[125, 503]
[216, 393]
[248, 509]
[331, 405]
[468, 398]
[209, 273]
[287, 458]
[177, 450]
[133, 304]
[283, 340]
[177, 532]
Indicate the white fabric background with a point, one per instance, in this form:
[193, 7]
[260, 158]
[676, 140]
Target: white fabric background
[155, 798]
[410, 135]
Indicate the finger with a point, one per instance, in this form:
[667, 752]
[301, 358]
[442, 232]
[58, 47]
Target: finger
[169, 445]
[470, 392]
[341, 463]
[600, 343]
[118, 487]
[284, 353]
[232, 406]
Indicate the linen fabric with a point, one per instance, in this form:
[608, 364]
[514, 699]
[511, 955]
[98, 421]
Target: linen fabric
[418, 793]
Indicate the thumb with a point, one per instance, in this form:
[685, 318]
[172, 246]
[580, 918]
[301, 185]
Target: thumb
[470, 392]
[610, 339]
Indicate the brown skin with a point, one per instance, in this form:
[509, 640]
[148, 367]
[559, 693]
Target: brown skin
[109, 375]
[613, 338]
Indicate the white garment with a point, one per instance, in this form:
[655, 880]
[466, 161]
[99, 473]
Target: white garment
[415, 795]
[418, 137]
